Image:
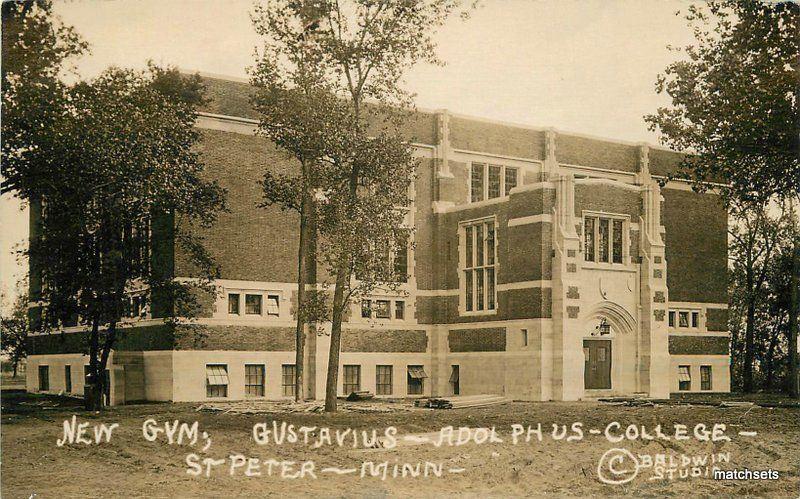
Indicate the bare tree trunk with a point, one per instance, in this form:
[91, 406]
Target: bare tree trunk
[770, 370]
[332, 382]
[749, 348]
[299, 358]
[794, 310]
[92, 394]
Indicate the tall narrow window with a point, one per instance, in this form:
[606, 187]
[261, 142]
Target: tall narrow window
[352, 379]
[478, 182]
[705, 377]
[383, 380]
[602, 240]
[254, 380]
[695, 319]
[233, 303]
[68, 378]
[366, 309]
[454, 380]
[683, 319]
[494, 181]
[524, 337]
[287, 380]
[616, 247]
[684, 378]
[401, 258]
[511, 179]
[399, 310]
[44, 378]
[588, 239]
[671, 318]
[479, 266]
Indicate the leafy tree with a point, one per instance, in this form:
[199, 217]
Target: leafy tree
[109, 166]
[734, 107]
[14, 332]
[360, 50]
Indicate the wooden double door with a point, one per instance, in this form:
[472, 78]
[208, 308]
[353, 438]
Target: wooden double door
[597, 367]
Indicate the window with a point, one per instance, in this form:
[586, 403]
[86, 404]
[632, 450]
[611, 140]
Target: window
[399, 310]
[273, 305]
[401, 257]
[287, 380]
[68, 378]
[216, 380]
[382, 309]
[511, 179]
[705, 377]
[684, 378]
[383, 380]
[524, 337]
[252, 304]
[695, 319]
[254, 380]
[477, 182]
[683, 319]
[494, 181]
[233, 303]
[603, 239]
[44, 378]
[454, 380]
[366, 309]
[501, 179]
[671, 318]
[416, 378]
[479, 266]
[352, 379]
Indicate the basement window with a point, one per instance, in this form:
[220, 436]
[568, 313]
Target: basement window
[233, 303]
[705, 377]
[273, 305]
[416, 378]
[684, 378]
[252, 304]
[216, 380]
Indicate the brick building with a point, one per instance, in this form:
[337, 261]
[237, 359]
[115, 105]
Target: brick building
[545, 266]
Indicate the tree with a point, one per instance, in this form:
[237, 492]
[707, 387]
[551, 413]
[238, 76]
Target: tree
[14, 332]
[109, 166]
[755, 237]
[734, 106]
[361, 49]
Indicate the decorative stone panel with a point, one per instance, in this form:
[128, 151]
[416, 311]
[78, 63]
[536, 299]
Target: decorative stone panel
[657, 274]
[573, 293]
[659, 297]
[658, 314]
[571, 267]
[572, 312]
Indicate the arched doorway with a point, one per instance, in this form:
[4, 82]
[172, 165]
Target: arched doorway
[607, 328]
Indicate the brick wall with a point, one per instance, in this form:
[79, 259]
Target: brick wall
[377, 340]
[477, 340]
[574, 150]
[144, 338]
[609, 199]
[698, 345]
[474, 135]
[696, 246]
[248, 338]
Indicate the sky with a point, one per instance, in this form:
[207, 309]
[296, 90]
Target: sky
[585, 66]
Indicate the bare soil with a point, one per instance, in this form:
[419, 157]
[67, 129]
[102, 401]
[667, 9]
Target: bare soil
[131, 466]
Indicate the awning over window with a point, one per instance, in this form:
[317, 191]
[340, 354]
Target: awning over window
[273, 305]
[217, 375]
[454, 375]
[417, 372]
[683, 375]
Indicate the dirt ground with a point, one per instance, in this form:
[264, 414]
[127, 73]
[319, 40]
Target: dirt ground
[131, 466]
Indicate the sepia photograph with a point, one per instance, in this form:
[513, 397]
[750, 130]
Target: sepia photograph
[399, 248]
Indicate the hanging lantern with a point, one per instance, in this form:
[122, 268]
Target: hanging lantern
[604, 327]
